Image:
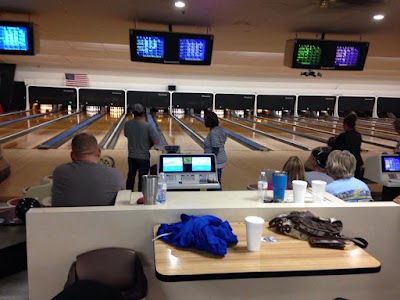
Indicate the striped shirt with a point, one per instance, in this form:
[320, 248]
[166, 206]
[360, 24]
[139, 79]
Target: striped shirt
[216, 139]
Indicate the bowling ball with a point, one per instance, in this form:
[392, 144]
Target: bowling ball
[331, 141]
[24, 205]
[140, 200]
[107, 161]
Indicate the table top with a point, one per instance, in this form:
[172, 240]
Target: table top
[285, 257]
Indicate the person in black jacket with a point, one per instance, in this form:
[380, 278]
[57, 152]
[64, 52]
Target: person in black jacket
[350, 140]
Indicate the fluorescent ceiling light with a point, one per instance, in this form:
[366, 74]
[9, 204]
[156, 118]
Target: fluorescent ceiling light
[180, 4]
[379, 17]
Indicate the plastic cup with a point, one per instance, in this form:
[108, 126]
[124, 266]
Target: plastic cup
[299, 190]
[279, 181]
[149, 189]
[318, 189]
[254, 228]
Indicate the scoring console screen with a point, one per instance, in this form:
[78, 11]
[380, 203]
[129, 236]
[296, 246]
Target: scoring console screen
[172, 164]
[13, 38]
[390, 163]
[201, 164]
[150, 46]
[192, 49]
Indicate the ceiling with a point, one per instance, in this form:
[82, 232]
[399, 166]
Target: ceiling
[249, 34]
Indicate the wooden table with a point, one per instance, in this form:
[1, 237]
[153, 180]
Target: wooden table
[286, 257]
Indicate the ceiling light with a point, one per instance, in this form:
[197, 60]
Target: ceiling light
[180, 4]
[379, 17]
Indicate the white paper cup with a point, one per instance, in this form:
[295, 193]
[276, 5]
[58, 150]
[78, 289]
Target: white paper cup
[254, 229]
[299, 190]
[318, 189]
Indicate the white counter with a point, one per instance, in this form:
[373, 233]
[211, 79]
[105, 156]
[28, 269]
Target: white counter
[218, 199]
[55, 236]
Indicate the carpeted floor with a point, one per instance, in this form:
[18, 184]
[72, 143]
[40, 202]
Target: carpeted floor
[14, 287]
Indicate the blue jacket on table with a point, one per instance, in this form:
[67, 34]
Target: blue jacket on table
[206, 233]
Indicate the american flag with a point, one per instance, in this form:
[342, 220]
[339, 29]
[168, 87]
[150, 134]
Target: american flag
[72, 79]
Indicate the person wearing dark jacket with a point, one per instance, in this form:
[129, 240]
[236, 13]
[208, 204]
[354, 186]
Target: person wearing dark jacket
[350, 140]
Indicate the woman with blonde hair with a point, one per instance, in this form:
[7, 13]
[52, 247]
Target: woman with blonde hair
[341, 166]
[295, 170]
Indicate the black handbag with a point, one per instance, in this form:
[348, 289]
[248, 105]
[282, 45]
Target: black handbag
[319, 232]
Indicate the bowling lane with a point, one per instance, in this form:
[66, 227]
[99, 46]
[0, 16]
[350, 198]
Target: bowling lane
[122, 142]
[18, 126]
[371, 128]
[268, 142]
[376, 122]
[253, 136]
[362, 125]
[26, 124]
[175, 135]
[200, 129]
[36, 137]
[329, 131]
[335, 128]
[98, 128]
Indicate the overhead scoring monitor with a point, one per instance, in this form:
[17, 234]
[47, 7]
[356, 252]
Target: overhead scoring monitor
[18, 38]
[325, 54]
[170, 47]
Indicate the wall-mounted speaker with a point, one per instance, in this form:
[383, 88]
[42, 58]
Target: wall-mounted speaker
[172, 88]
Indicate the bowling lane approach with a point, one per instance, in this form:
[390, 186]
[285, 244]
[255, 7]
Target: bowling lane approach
[40, 135]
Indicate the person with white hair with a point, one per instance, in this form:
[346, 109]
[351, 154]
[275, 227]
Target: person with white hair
[341, 166]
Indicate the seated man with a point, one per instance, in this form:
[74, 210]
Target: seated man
[318, 167]
[341, 166]
[85, 182]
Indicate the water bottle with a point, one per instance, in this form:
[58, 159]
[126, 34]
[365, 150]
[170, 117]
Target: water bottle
[162, 188]
[262, 185]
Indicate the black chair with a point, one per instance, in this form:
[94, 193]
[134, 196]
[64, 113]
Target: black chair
[88, 289]
[118, 268]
